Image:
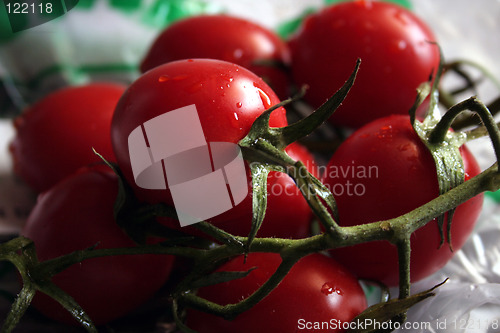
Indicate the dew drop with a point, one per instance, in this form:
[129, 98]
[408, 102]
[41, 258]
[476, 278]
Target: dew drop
[329, 288]
[239, 105]
[163, 78]
[385, 132]
[266, 100]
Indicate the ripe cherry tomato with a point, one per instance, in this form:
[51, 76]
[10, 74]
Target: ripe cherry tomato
[225, 38]
[55, 136]
[316, 291]
[76, 214]
[383, 171]
[396, 57]
[228, 98]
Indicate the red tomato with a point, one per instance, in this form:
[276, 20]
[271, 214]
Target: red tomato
[317, 295]
[228, 98]
[225, 38]
[55, 136]
[394, 47]
[76, 214]
[383, 171]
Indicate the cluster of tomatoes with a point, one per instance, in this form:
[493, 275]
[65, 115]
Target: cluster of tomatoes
[233, 70]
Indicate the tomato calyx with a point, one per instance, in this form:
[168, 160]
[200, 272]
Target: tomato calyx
[444, 146]
[265, 145]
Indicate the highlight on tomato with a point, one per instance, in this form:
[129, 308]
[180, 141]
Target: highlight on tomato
[397, 51]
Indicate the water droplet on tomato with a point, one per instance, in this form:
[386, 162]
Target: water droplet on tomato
[266, 100]
[329, 288]
[163, 78]
[385, 132]
[236, 116]
[239, 105]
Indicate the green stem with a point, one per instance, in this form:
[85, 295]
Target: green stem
[18, 308]
[230, 311]
[303, 180]
[404, 250]
[473, 104]
[56, 265]
[219, 234]
[456, 64]
[396, 230]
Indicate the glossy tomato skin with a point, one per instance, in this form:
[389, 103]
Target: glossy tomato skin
[228, 98]
[76, 214]
[225, 38]
[55, 136]
[396, 57]
[383, 171]
[317, 289]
